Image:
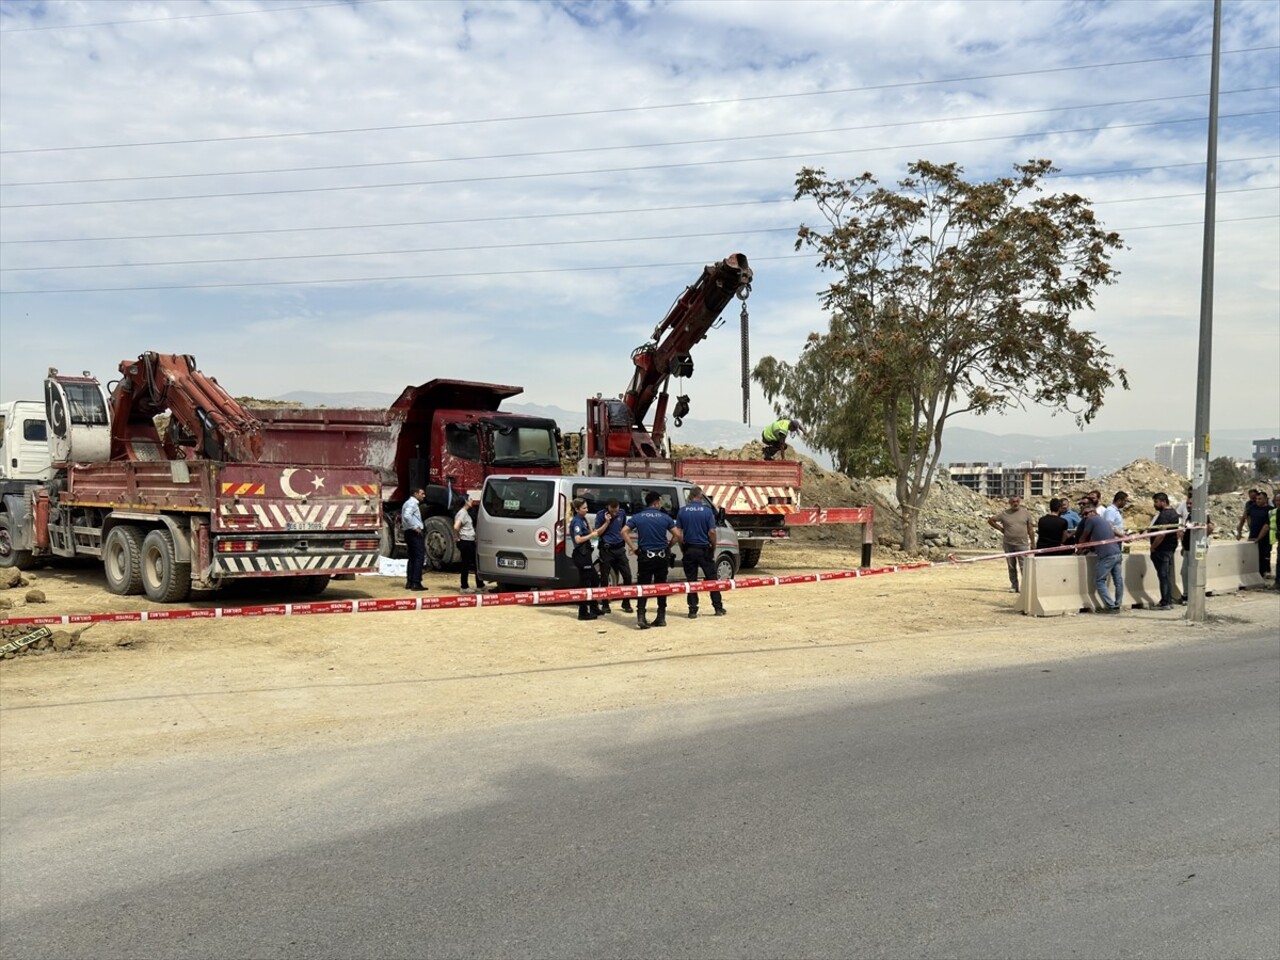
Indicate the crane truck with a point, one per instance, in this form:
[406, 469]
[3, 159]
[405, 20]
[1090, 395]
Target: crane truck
[761, 498]
[159, 478]
[444, 436]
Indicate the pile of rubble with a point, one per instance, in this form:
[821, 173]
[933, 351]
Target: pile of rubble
[954, 518]
[15, 641]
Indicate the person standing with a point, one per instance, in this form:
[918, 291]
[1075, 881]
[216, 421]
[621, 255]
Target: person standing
[1163, 547]
[650, 534]
[775, 435]
[1051, 529]
[1073, 521]
[1257, 512]
[1113, 514]
[1095, 532]
[464, 532]
[613, 550]
[1018, 530]
[697, 523]
[581, 533]
[1186, 547]
[415, 543]
[1275, 516]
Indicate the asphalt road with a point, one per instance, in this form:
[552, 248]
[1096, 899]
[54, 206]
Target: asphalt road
[1124, 806]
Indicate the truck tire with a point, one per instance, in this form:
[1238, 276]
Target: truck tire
[11, 556]
[750, 557]
[725, 566]
[309, 586]
[122, 560]
[387, 541]
[442, 552]
[164, 579]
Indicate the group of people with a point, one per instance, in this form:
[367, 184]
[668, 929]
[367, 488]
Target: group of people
[650, 535]
[1093, 528]
[464, 535]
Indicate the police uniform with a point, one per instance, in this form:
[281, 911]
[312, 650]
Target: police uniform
[651, 527]
[697, 523]
[581, 557]
[613, 553]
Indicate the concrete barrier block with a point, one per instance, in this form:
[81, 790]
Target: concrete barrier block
[1055, 586]
[1141, 585]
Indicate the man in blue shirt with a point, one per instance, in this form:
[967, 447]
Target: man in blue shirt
[697, 524]
[650, 534]
[414, 539]
[613, 550]
[1094, 529]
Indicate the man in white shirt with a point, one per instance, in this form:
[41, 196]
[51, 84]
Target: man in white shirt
[414, 539]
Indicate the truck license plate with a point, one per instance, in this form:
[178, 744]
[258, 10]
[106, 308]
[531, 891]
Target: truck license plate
[513, 562]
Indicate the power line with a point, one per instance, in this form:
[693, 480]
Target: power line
[632, 169]
[594, 213]
[499, 246]
[898, 85]
[188, 16]
[625, 146]
[489, 272]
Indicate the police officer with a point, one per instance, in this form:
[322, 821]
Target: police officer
[775, 435]
[697, 524]
[581, 534]
[613, 550]
[650, 534]
[414, 539]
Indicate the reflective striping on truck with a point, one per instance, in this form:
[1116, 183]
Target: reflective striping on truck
[292, 516]
[233, 564]
[243, 489]
[359, 489]
[737, 497]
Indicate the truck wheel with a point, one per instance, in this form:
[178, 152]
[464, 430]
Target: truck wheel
[725, 567]
[122, 560]
[10, 556]
[387, 541]
[441, 550]
[310, 586]
[750, 557]
[164, 579]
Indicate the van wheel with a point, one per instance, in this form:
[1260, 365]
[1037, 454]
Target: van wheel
[750, 557]
[442, 552]
[10, 556]
[164, 579]
[122, 560]
[725, 567]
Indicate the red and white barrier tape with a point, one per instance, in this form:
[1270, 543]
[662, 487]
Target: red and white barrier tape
[529, 598]
[462, 601]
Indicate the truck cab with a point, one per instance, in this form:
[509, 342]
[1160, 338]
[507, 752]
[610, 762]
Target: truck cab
[24, 442]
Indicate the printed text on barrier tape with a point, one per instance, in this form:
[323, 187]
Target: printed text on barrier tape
[465, 601]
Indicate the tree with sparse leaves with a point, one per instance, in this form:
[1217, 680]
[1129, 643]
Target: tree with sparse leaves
[949, 297]
[1225, 476]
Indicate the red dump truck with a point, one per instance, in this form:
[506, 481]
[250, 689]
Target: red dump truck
[160, 481]
[445, 436]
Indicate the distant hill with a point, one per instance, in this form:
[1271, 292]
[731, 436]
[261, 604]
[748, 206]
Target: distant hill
[1101, 451]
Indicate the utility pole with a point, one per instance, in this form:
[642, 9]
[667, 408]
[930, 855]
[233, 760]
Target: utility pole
[1200, 469]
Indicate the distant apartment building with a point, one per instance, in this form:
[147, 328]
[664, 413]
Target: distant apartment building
[998, 481]
[1266, 448]
[1176, 455]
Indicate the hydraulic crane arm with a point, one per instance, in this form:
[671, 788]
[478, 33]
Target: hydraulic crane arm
[688, 321]
[205, 421]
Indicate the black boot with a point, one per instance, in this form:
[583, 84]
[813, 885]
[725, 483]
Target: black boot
[721, 611]
[661, 621]
[604, 607]
[584, 614]
[641, 622]
[626, 606]
[693, 613]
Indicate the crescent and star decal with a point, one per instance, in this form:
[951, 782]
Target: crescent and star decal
[286, 476]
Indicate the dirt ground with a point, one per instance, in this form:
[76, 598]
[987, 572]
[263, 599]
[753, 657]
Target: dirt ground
[141, 692]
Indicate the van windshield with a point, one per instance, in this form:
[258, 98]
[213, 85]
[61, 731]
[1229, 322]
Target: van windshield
[518, 499]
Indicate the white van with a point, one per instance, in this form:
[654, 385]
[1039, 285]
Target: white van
[524, 523]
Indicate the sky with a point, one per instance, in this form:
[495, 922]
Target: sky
[358, 196]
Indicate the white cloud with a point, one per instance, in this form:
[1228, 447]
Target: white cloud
[484, 113]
